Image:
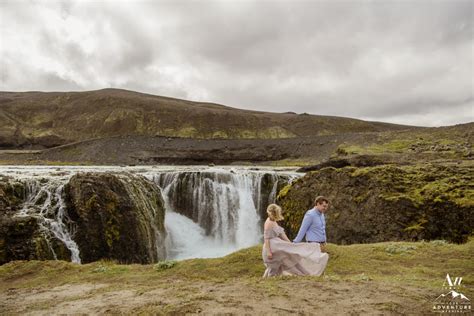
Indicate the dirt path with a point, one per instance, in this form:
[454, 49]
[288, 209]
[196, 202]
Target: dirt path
[301, 296]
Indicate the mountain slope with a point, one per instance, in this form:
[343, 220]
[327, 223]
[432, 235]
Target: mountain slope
[39, 119]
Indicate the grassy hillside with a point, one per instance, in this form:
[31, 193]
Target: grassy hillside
[51, 119]
[439, 142]
[389, 278]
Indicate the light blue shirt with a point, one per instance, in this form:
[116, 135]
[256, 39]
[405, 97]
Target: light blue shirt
[313, 226]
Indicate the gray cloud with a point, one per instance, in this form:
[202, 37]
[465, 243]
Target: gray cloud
[408, 62]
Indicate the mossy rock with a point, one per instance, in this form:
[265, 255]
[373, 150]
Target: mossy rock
[387, 202]
[21, 238]
[118, 216]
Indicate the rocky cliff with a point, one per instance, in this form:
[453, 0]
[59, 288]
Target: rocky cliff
[23, 237]
[118, 217]
[387, 202]
[108, 216]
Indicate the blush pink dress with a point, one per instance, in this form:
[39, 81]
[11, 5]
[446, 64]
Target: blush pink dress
[292, 258]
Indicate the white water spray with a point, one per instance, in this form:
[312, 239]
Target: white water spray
[214, 212]
[210, 212]
[44, 200]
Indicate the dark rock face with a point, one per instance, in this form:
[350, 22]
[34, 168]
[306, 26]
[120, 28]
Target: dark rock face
[21, 238]
[386, 203]
[269, 187]
[356, 161]
[118, 217]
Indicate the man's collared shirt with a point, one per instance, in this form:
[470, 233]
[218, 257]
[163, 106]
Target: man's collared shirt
[313, 226]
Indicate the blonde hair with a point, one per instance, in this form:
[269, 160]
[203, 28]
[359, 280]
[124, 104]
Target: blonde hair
[274, 212]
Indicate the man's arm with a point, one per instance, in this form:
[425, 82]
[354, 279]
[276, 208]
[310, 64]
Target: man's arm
[304, 227]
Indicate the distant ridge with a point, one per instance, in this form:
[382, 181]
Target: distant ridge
[48, 119]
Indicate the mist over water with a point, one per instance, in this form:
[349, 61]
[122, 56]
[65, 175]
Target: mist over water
[210, 212]
[213, 213]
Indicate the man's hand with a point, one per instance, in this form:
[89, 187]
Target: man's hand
[323, 247]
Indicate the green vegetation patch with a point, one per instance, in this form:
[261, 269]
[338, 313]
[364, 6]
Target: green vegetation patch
[420, 264]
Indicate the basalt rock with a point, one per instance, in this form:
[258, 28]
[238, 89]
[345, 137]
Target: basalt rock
[21, 237]
[269, 187]
[386, 203]
[119, 217]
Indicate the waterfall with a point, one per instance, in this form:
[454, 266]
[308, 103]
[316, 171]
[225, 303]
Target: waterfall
[210, 212]
[44, 200]
[215, 212]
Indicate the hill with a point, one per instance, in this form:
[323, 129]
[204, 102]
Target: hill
[452, 144]
[48, 119]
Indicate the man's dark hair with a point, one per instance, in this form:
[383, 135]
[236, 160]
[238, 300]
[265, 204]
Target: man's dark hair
[320, 199]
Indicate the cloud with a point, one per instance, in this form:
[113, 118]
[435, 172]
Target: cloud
[396, 61]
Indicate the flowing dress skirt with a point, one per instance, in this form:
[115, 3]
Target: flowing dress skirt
[294, 258]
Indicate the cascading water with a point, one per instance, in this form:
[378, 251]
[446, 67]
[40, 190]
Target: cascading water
[215, 212]
[44, 200]
[210, 212]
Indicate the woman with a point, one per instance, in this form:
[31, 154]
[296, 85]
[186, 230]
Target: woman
[282, 257]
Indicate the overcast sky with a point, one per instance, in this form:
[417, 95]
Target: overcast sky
[408, 62]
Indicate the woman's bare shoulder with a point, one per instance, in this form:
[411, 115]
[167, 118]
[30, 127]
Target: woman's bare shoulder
[269, 224]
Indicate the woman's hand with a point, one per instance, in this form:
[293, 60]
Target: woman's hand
[270, 255]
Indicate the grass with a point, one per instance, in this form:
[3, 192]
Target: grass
[422, 264]
[301, 162]
[231, 283]
[403, 142]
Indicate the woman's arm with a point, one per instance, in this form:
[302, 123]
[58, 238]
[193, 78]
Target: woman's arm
[267, 246]
[284, 237]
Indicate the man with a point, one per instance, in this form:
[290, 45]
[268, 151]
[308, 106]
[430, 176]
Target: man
[314, 223]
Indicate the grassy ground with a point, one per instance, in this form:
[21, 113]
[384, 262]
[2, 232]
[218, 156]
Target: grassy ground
[388, 278]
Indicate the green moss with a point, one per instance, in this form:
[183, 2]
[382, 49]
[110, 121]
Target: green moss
[92, 202]
[423, 183]
[456, 188]
[361, 198]
[112, 230]
[186, 132]
[359, 172]
[284, 191]
[292, 163]
[418, 190]
[219, 134]
[42, 251]
[352, 149]
[396, 146]
[417, 226]
[275, 132]
[163, 265]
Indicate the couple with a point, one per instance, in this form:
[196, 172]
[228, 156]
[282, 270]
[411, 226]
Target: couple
[283, 257]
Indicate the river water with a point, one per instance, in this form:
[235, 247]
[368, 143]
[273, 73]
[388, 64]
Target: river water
[210, 211]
